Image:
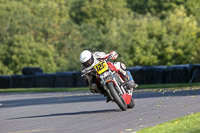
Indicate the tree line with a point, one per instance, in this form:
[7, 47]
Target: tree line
[51, 33]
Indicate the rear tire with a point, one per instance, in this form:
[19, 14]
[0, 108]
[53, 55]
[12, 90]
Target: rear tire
[132, 104]
[119, 100]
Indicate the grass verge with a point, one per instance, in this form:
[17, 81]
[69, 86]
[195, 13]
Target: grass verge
[186, 124]
[141, 87]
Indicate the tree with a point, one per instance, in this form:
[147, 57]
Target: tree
[130, 36]
[97, 12]
[180, 43]
[51, 34]
[22, 51]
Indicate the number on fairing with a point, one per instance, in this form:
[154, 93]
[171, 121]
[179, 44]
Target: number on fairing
[101, 67]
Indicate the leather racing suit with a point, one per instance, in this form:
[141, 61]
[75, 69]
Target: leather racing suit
[91, 79]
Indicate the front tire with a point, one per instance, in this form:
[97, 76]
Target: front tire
[119, 100]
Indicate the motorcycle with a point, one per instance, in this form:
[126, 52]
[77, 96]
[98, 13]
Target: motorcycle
[117, 89]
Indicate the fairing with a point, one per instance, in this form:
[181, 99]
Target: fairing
[112, 67]
[127, 98]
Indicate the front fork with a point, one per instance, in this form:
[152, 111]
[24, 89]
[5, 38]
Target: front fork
[112, 79]
[106, 88]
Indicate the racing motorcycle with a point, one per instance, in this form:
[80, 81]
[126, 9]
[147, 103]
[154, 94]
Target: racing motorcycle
[111, 81]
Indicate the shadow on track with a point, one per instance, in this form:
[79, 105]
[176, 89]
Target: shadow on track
[51, 100]
[72, 113]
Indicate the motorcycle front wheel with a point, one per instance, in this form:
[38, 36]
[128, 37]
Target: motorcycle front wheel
[119, 100]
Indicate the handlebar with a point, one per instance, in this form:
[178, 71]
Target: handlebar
[88, 71]
[108, 57]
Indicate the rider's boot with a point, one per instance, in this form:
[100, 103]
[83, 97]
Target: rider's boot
[129, 81]
[108, 99]
[132, 84]
[125, 75]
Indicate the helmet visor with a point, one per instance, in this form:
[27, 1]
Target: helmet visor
[89, 62]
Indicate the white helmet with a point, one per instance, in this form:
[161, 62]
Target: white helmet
[86, 58]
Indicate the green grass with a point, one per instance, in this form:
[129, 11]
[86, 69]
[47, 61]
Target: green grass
[146, 87]
[187, 124]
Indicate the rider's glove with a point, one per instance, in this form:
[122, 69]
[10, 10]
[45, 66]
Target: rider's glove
[113, 54]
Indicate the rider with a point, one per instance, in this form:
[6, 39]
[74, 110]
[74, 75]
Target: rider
[89, 59]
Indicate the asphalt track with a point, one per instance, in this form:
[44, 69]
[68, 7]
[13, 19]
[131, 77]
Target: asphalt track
[83, 112]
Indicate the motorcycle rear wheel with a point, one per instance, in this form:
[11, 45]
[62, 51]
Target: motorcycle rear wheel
[119, 100]
[132, 104]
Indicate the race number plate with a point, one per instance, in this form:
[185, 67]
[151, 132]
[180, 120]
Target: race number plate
[101, 67]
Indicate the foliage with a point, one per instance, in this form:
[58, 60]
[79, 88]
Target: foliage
[22, 51]
[181, 39]
[51, 34]
[97, 12]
